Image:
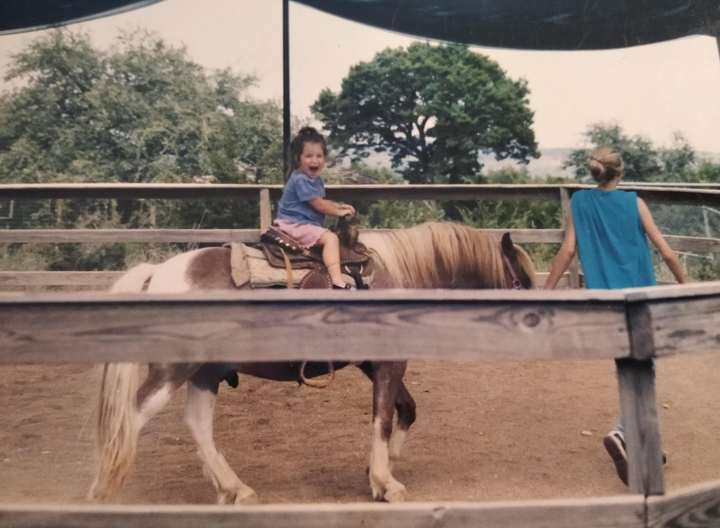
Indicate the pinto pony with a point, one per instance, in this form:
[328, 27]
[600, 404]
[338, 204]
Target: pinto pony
[433, 255]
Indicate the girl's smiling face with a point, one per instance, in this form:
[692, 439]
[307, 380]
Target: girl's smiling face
[312, 159]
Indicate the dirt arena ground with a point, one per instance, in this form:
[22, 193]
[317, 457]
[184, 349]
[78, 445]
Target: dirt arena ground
[485, 431]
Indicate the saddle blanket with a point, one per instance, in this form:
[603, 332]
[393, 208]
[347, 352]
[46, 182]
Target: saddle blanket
[250, 268]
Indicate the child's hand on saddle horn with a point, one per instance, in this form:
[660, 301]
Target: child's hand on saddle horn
[347, 209]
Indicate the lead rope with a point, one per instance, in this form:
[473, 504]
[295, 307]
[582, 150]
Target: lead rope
[310, 382]
[320, 383]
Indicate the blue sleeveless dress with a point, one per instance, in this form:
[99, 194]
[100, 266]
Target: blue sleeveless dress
[611, 239]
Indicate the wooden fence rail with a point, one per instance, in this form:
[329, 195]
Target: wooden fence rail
[696, 506]
[265, 195]
[57, 236]
[105, 279]
[389, 324]
[656, 194]
[630, 326]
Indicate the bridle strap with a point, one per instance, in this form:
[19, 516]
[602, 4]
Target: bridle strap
[516, 284]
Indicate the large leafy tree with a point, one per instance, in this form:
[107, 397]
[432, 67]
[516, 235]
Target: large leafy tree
[434, 109]
[142, 112]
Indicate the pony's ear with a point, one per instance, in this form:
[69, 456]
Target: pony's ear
[507, 246]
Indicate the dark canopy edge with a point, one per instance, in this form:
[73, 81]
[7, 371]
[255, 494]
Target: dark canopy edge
[561, 25]
[18, 16]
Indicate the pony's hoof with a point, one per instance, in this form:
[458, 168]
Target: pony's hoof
[247, 501]
[245, 496]
[396, 493]
[399, 495]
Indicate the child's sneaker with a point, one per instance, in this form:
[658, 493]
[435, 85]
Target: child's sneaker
[614, 443]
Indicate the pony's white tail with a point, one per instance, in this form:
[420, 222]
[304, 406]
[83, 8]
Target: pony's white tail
[117, 426]
[117, 429]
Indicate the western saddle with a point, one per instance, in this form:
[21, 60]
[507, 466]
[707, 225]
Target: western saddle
[282, 251]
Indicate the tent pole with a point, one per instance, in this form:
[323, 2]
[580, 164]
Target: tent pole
[286, 83]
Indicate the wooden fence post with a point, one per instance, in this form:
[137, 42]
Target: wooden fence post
[265, 209]
[573, 269]
[638, 403]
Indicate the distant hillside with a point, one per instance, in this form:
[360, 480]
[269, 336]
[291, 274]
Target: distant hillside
[711, 156]
[548, 164]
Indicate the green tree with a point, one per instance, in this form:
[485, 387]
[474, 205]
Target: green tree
[643, 161]
[434, 109]
[140, 112]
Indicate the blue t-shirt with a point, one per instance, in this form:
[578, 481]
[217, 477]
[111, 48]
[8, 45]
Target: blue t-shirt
[294, 206]
[613, 246]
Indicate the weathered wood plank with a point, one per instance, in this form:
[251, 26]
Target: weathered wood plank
[521, 236]
[442, 192]
[564, 298]
[250, 192]
[657, 194]
[696, 244]
[90, 236]
[685, 318]
[675, 185]
[12, 236]
[693, 507]
[685, 325]
[610, 512]
[106, 278]
[125, 191]
[265, 209]
[690, 291]
[58, 278]
[642, 426]
[285, 325]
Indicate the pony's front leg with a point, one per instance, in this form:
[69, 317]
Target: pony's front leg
[387, 379]
[199, 418]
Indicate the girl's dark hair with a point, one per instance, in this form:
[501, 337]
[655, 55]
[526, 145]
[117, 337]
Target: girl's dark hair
[305, 135]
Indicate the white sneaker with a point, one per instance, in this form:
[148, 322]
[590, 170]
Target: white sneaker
[614, 443]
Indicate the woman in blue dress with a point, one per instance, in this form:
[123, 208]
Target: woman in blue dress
[610, 228]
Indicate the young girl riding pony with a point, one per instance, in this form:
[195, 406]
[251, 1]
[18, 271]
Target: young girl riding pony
[302, 207]
[610, 228]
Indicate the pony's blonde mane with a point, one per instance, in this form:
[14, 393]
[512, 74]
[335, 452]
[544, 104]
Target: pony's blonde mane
[441, 255]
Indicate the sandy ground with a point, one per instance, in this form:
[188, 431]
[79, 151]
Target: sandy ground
[485, 431]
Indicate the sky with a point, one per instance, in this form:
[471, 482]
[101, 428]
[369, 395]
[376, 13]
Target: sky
[652, 90]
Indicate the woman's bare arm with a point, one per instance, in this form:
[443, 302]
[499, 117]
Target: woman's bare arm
[659, 242]
[564, 256]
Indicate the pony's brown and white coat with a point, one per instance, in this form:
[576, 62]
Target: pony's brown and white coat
[435, 255]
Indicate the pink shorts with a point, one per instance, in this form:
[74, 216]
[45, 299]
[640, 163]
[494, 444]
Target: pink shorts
[307, 235]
